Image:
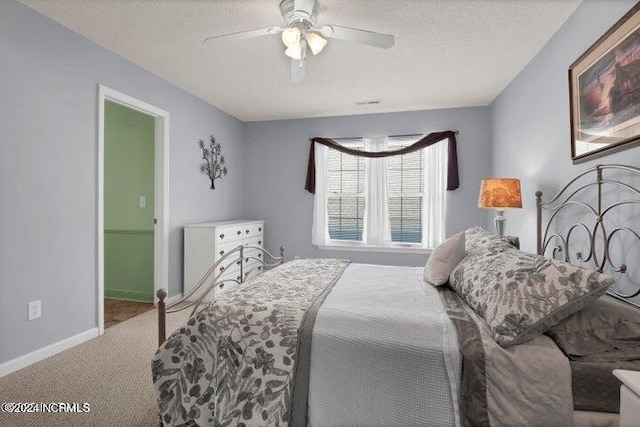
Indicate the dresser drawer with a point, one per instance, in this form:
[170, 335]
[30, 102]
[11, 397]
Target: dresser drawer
[255, 255]
[222, 286]
[232, 233]
[222, 249]
[252, 269]
[250, 231]
[255, 241]
[231, 273]
[229, 270]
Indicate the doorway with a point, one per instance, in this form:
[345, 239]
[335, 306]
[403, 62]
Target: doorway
[128, 212]
[132, 200]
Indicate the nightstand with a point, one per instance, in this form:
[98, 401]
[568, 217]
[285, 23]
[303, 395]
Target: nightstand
[629, 397]
[515, 241]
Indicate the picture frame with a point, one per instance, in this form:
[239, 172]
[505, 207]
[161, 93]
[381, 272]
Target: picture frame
[604, 92]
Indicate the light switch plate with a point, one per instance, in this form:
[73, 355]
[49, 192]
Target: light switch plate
[142, 201]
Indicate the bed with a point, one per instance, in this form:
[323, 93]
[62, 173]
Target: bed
[325, 342]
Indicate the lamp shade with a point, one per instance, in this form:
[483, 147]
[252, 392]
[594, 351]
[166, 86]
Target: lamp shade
[500, 194]
[316, 43]
[291, 36]
[294, 52]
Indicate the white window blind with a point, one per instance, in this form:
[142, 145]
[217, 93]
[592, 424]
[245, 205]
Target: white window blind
[380, 202]
[346, 198]
[406, 184]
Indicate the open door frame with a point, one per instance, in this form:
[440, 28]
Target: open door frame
[161, 191]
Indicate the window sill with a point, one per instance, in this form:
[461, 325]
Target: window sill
[412, 249]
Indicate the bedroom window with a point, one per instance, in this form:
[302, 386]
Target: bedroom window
[392, 203]
[406, 183]
[345, 197]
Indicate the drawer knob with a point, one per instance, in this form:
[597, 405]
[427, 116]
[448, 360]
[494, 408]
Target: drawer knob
[221, 285]
[238, 278]
[260, 255]
[221, 252]
[259, 228]
[246, 231]
[246, 260]
[239, 232]
[259, 267]
[221, 268]
[238, 262]
[222, 236]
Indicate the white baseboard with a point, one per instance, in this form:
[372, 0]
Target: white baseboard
[35, 356]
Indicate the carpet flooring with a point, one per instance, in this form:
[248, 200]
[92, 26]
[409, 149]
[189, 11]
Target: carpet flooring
[112, 373]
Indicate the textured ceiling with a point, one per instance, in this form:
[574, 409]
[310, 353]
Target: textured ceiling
[448, 53]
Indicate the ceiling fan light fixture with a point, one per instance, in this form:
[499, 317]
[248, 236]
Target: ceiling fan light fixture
[291, 37]
[299, 34]
[294, 52]
[316, 43]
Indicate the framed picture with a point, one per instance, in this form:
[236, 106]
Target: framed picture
[604, 92]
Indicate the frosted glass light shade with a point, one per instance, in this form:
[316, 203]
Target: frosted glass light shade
[294, 52]
[316, 43]
[291, 37]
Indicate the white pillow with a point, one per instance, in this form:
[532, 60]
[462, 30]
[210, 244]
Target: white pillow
[444, 259]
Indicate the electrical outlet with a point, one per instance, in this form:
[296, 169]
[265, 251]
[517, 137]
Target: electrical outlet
[34, 310]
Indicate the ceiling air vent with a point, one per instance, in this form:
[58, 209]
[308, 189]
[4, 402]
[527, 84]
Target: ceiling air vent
[377, 101]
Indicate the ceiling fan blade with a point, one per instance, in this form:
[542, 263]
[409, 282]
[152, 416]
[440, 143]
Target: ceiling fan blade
[246, 34]
[297, 70]
[384, 41]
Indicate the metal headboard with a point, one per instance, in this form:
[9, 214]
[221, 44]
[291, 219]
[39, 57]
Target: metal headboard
[196, 297]
[608, 206]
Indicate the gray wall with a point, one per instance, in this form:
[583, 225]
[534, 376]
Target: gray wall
[48, 155]
[48, 170]
[276, 160]
[530, 118]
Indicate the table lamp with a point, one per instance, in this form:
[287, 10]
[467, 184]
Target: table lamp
[500, 194]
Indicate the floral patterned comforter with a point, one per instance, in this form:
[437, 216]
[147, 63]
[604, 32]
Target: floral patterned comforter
[234, 364]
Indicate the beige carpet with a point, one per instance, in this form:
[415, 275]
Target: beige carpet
[112, 373]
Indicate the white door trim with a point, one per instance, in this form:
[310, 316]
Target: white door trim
[161, 196]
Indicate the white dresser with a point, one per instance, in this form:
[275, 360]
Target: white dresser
[206, 243]
[629, 397]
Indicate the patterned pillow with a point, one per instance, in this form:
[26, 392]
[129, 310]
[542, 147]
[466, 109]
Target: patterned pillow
[478, 237]
[520, 295]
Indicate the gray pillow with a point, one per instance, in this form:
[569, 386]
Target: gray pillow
[520, 295]
[443, 259]
[606, 331]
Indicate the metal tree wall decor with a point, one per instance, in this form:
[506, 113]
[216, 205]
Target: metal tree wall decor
[213, 165]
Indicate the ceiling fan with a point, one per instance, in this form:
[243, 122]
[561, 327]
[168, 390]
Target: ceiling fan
[300, 35]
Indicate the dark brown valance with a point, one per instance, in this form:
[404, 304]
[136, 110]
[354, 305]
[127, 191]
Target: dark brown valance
[453, 181]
